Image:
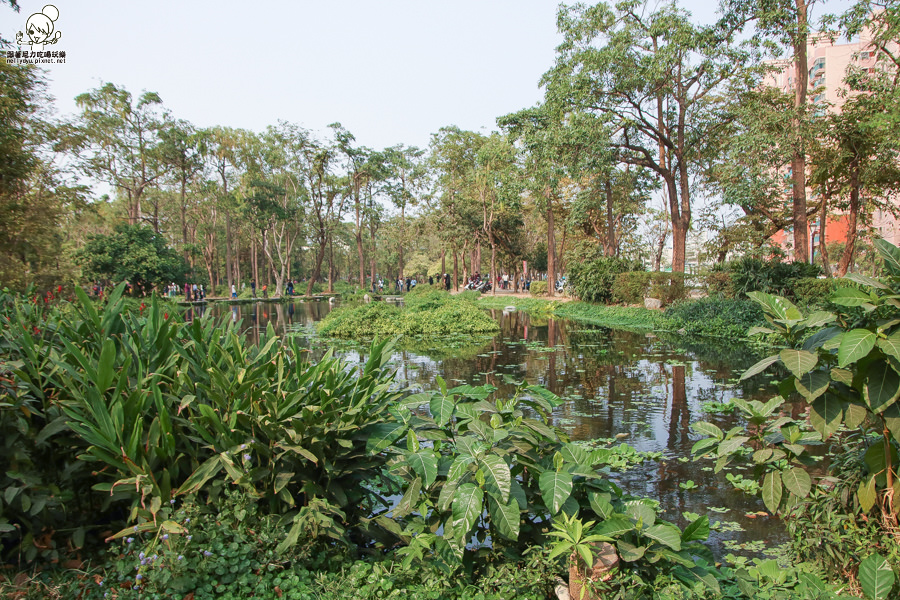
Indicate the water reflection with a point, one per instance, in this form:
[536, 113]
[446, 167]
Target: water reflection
[616, 383]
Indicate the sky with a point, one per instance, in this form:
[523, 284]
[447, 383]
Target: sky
[391, 72]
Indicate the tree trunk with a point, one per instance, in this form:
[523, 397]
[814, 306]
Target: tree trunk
[228, 257]
[852, 219]
[330, 264]
[455, 270]
[823, 246]
[443, 262]
[551, 247]
[255, 259]
[466, 271]
[494, 281]
[610, 248]
[798, 160]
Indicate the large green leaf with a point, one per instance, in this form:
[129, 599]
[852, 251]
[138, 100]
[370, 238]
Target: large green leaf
[555, 489]
[890, 345]
[855, 414]
[382, 435]
[854, 345]
[891, 418]
[409, 499]
[866, 280]
[776, 306]
[826, 415]
[697, 530]
[424, 463]
[467, 506]
[876, 577]
[882, 386]
[730, 445]
[600, 503]
[666, 534]
[850, 297]
[441, 408]
[771, 491]
[798, 362]
[708, 429]
[505, 517]
[866, 494]
[760, 367]
[497, 476]
[813, 384]
[797, 481]
[890, 254]
[614, 527]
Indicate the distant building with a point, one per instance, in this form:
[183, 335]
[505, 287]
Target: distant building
[828, 62]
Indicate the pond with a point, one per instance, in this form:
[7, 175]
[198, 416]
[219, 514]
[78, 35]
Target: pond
[617, 385]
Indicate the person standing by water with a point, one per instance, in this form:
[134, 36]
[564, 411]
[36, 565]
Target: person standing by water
[233, 291]
[253, 287]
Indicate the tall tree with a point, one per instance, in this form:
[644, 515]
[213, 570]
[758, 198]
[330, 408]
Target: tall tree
[406, 183]
[657, 82]
[116, 140]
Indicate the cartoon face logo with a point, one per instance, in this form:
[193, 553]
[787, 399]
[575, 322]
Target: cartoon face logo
[39, 28]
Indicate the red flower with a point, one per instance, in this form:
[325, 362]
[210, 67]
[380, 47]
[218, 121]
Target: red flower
[59, 289]
[165, 315]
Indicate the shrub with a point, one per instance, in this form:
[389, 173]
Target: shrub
[716, 317]
[668, 287]
[538, 288]
[750, 274]
[630, 287]
[718, 283]
[593, 280]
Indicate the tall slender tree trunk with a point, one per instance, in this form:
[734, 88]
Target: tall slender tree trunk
[443, 262]
[230, 275]
[455, 270]
[610, 249]
[255, 258]
[402, 235]
[823, 246]
[466, 271]
[330, 264]
[798, 160]
[493, 263]
[551, 246]
[852, 220]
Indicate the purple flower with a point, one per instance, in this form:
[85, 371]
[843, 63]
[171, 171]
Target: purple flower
[190, 537]
[247, 457]
[135, 528]
[188, 520]
[129, 540]
[165, 536]
[138, 577]
[172, 501]
[141, 555]
[207, 553]
[180, 556]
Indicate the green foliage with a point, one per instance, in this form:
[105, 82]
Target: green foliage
[476, 467]
[719, 284]
[630, 287]
[161, 408]
[428, 312]
[844, 364]
[134, 254]
[715, 317]
[668, 287]
[538, 288]
[593, 280]
[749, 274]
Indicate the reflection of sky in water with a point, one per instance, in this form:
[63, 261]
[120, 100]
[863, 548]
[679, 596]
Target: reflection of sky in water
[613, 382]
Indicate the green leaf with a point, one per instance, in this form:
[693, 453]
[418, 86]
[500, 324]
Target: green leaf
[798, 362]
[797, 481]
[760, 367]
[812, 385]
[556, 487]
[866, 495]
[771, 491]
[409, 500]
[819, 318]
[891, 418]
[614, 527]
[708, 429]
[497, 474]
[665, 534]
[775, 306]
[866, 280]
[890, 254]
[629, 552]
[441, 408]
[424, 463]
[876, 577]
[639, 511]
[855, 414]
[882, 386]
[855, 344]
[505, 517]
[697, 530]
[842, 376]
[382, 435]
[825, 415]
[467, 506]
[729, 446]
[601, 505]
[850, 297]
[890, 345]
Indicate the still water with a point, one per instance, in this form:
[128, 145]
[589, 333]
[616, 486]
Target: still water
[636, 386]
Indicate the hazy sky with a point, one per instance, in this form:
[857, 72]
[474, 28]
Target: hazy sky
[391, 71]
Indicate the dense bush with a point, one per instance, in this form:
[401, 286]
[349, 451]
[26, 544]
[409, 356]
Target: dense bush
[631, 287]
[718, 284]
[715, 317]
[668, 287]
[427, 312]
[538, 288]
[750, 274]
[593, 280]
